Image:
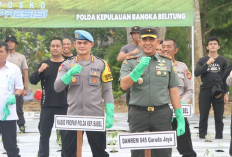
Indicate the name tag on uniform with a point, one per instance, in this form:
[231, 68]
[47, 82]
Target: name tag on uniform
[187, 110]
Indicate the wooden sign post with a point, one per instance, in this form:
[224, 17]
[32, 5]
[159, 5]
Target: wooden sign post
[147, 152]
[79, 143]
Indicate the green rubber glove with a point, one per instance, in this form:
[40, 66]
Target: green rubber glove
[180, 122]
[182, 102]
[109, 115]
[137, 72]
[67, 77]
[6, 112]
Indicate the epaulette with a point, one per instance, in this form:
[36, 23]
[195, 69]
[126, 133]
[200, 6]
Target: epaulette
[131, 57]
[103, 61]
[166, 56]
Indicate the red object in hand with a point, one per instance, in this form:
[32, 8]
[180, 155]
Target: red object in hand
[38, 95]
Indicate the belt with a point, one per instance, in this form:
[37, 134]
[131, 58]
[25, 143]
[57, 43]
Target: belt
[149, 108]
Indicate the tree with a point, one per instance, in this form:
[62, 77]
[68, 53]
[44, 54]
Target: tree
[198, 49]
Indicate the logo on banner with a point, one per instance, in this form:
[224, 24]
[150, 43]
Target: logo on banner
[29, 12]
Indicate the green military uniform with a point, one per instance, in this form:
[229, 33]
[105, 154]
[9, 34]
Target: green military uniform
[148, 106]
[157, 78]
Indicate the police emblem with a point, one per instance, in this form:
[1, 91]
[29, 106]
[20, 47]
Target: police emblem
[74, 79]
[94, 80]
[77, 35]
[188, 74]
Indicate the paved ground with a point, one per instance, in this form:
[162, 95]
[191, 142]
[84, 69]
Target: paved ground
[28, 142]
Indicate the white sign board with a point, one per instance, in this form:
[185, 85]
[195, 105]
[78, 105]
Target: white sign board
[187, 110]
[84, 123]
[148, 140]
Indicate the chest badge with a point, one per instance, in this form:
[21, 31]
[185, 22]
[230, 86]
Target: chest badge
[74, 80]
[94, 80]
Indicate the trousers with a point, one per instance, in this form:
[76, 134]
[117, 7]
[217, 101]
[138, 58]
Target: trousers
[184, 142]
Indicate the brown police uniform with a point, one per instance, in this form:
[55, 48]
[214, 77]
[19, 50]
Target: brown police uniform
[184, 142]
[85, 99]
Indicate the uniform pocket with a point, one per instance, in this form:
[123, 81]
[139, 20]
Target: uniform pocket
[162, 77]
[94, 78]
[75, 80]
[181, 79]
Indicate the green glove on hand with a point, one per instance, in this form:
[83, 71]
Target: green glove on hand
[67, 77]
[6, 112]
[137, 72]
[109, 115]
[180, 122]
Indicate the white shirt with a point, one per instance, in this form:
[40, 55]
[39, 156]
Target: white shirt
[229, 79]
[10, 80]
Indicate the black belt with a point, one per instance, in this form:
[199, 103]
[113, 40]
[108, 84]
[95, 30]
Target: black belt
[149, 108]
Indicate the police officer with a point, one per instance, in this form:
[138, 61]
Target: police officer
[184, 142]
[153, 81]
[11, 85]
[85, 74]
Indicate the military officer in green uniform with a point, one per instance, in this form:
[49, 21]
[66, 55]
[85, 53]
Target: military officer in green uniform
[153, 82]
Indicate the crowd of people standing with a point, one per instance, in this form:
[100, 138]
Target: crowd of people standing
[148, 66]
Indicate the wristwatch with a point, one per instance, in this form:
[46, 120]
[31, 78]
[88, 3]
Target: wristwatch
[26, 88]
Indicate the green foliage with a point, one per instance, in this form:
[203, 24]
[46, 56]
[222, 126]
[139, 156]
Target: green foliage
[34, 44]
[113, 141]
[181, 36]
[218, 22]
[111, 55]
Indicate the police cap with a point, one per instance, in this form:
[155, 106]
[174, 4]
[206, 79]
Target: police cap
[135, 29]
[11, 38]
[148, 32]
[83, 35]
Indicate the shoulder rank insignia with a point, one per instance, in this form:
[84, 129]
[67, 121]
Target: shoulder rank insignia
[106, 74]
[124, 62]
[188, 74]
[61, 67]
[131, 57]
[173, 67]
[166, 56]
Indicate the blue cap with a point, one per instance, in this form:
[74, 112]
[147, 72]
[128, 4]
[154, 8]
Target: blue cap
[83, 35]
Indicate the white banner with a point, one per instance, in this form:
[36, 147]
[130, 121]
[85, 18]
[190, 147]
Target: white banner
[84, 123]
[148, 140]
